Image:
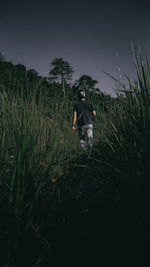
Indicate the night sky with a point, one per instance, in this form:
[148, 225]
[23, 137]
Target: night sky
[91, 35]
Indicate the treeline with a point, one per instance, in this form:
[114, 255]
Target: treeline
[19, 79]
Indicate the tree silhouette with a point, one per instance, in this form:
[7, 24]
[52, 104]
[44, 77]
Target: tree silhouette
[86, 83]
[61, 72]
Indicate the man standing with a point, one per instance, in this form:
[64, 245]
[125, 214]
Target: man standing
[82, 114]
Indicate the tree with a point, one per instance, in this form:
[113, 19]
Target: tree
[86, 83]
[61, 72]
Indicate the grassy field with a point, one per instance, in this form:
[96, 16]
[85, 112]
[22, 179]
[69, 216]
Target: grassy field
[54, 201]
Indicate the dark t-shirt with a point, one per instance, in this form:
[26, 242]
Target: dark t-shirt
[84, 111]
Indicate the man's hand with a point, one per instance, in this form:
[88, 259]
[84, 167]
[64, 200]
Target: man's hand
[94, 113]
[73, 128]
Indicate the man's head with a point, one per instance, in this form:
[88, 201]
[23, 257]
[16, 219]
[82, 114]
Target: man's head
[81, 95]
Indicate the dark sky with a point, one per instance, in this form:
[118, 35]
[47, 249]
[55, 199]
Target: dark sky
[91, 35]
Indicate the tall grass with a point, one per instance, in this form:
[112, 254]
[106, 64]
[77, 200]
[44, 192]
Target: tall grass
[34, 139]
[123, 151]
[130, 123]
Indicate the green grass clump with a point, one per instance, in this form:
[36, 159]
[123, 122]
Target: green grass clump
[33, 141]
[129, 125]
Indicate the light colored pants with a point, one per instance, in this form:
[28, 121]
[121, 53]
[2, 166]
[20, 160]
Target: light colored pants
[86, 134]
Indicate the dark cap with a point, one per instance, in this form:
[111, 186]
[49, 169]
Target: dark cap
[81, 94]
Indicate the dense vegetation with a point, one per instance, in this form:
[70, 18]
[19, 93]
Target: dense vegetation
[55, 204]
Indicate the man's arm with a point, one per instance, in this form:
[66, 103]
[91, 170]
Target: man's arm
[74, 120]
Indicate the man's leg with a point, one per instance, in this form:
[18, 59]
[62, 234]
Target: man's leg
[82, 132]
[89, 133]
